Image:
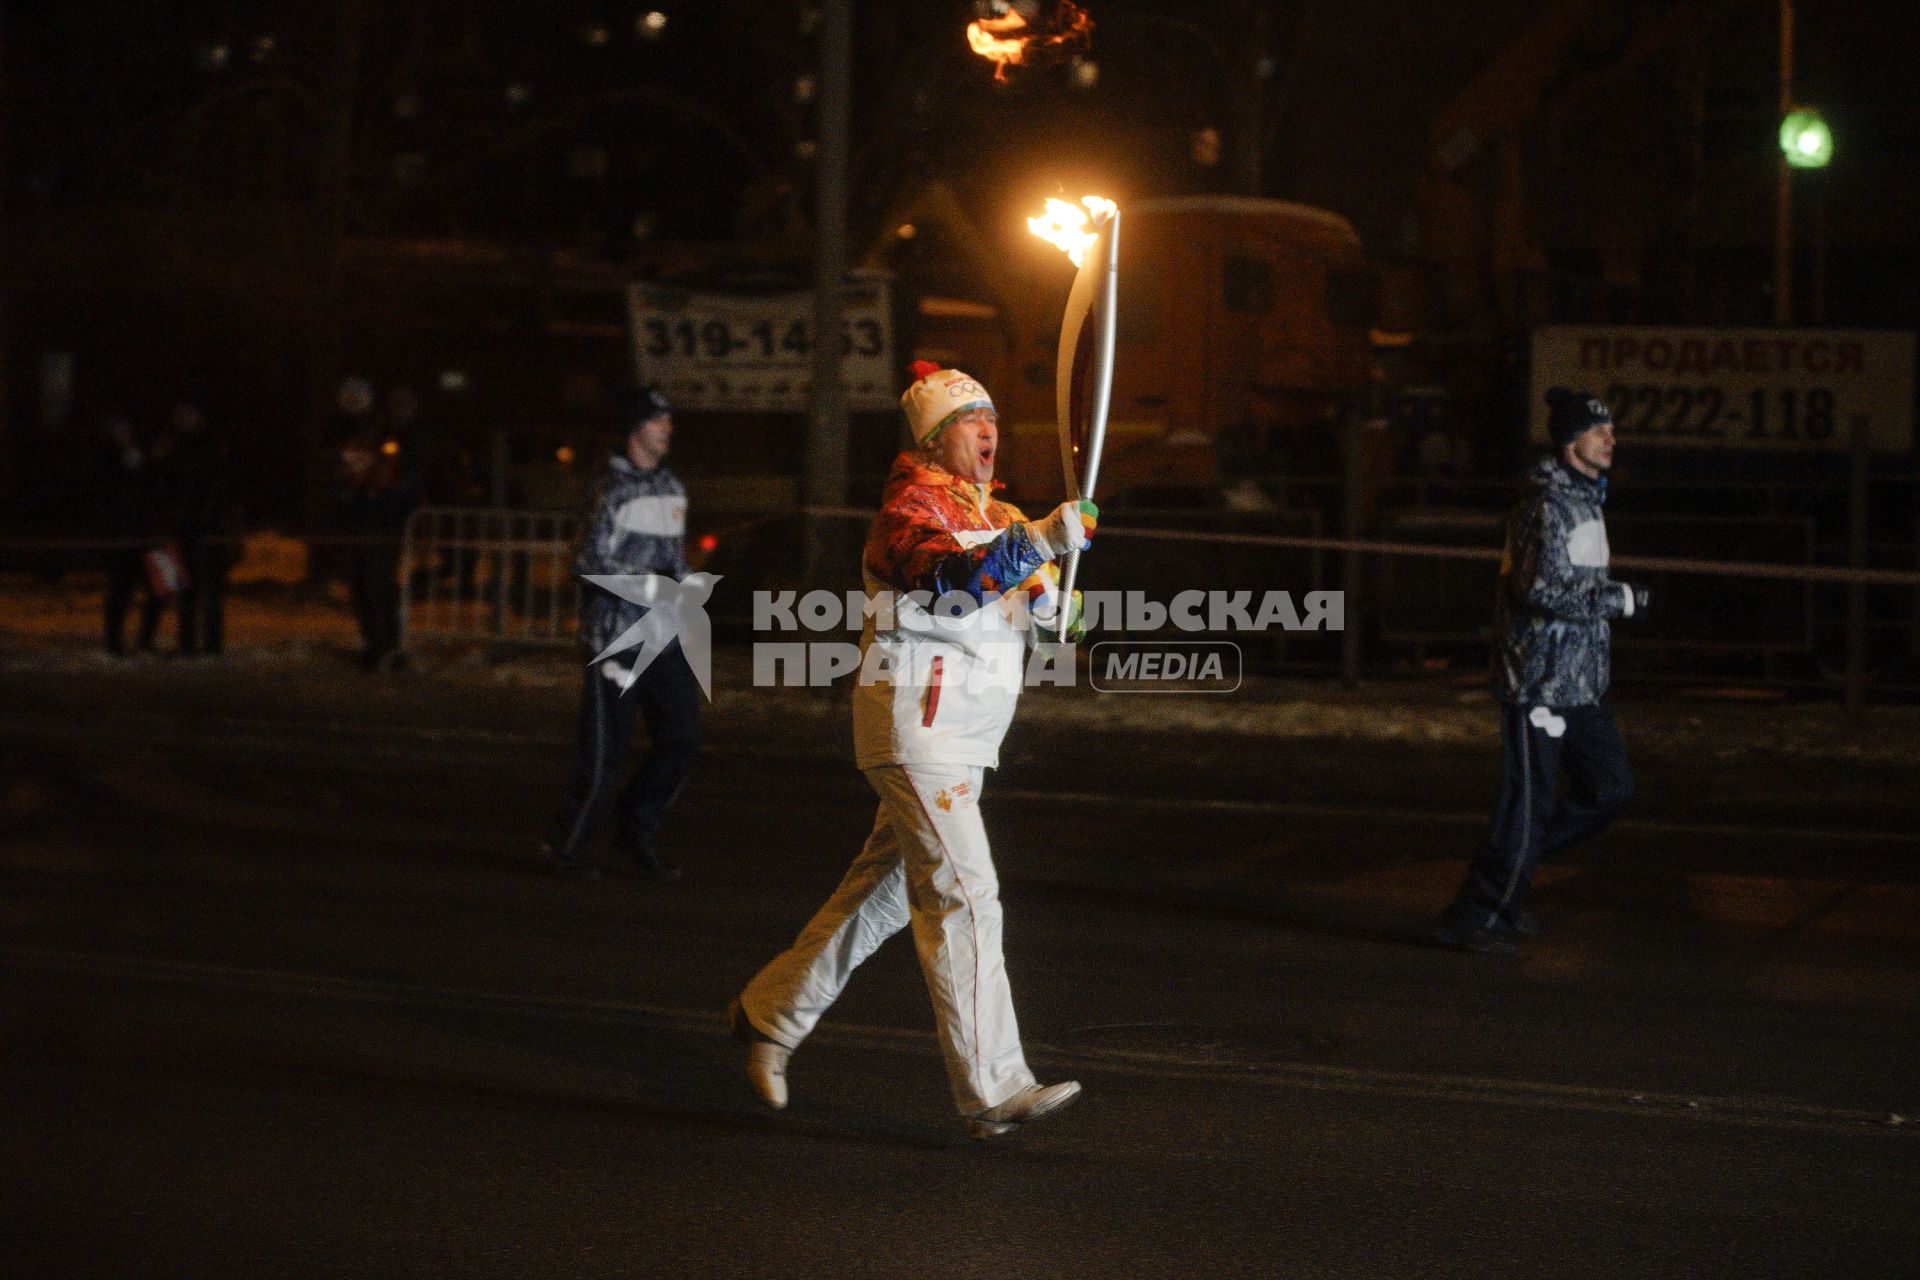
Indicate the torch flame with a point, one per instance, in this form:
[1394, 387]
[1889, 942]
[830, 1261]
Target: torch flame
[993, 39]
[1008, 40]
[1066, 226]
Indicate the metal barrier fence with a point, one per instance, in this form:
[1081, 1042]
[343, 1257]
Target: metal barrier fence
[487, 573]
[1809, 586]
[1740, 606]
[1427, 583]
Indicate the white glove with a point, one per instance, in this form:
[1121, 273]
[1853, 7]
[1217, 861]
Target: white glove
[1069, 527]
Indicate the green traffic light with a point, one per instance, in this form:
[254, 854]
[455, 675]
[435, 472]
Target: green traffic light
[1805, 139]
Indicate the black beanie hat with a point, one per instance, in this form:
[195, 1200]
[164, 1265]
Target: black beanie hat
[1571, 412]
[635, 405]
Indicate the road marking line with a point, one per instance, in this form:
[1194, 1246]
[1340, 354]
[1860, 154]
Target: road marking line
[1764, 1113]
[1455, 817]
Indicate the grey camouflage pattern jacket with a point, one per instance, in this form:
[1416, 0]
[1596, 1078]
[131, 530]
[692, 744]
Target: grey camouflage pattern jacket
[1556, 602]
[636, 524]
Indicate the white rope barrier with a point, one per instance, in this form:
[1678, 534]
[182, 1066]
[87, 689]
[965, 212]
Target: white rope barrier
[1656, 564]
[1836, 574]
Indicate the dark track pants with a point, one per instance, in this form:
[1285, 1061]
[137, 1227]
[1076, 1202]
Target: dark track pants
[667, 694]
[1532, 818]
[373, 583]
[203, 601]
[126, 577]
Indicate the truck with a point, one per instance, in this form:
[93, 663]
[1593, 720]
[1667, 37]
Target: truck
[1243, 335]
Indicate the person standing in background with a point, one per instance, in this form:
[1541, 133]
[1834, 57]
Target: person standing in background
[198, 503]
[376, 489]
[125, 478]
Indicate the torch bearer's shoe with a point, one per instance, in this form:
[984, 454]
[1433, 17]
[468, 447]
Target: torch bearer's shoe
[649, 862]
[548, 858]
[766, 1059]
[1449, 932]
[1030, 1103]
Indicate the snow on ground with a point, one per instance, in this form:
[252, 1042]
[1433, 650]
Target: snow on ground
[280, 635]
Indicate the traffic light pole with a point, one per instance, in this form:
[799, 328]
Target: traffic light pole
[826, 484]
[1783, 199]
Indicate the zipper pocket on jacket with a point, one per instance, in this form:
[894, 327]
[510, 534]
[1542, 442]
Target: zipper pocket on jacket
[933, 695]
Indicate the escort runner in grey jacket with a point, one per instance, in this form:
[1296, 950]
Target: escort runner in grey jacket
[1556, 600]
[637, 524]
[636, 528]
[1552, 668]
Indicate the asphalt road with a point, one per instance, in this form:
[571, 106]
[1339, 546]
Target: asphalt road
[279, 1000]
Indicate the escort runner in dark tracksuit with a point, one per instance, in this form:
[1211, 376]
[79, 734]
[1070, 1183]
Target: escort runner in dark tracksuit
[1551, 671]
[636, 525]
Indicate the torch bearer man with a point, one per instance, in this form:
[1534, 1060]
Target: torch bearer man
[925, 733]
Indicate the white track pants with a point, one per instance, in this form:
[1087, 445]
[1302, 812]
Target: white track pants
[926, 863]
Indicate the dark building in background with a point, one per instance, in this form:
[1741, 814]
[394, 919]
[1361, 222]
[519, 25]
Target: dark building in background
[245, 207]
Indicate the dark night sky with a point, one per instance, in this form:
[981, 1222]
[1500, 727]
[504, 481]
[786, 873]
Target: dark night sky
[182, 181]
[113, 101]
[512, 125]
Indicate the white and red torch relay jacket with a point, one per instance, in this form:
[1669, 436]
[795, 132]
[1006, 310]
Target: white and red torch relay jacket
[954, 680]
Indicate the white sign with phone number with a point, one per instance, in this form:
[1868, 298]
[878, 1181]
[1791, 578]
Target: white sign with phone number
[745, 352]
[1779, 389]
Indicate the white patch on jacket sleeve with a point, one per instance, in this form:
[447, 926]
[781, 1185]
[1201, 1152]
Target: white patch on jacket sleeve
[660, 515]
[1587, 544]
[971, 538]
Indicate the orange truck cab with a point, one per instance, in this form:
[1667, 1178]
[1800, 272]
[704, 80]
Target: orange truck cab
[1242, 322]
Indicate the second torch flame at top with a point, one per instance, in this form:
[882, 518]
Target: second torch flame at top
[1010, 40]
[1070, 227]
[998, 40]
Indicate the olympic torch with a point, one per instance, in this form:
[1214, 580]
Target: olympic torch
[1083, 377]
